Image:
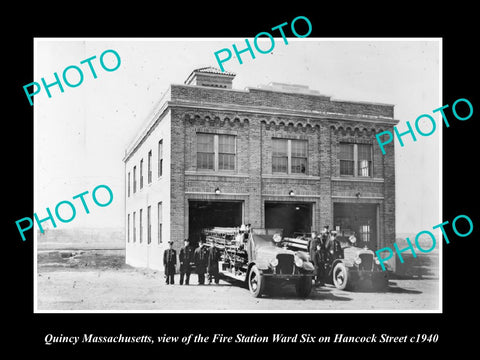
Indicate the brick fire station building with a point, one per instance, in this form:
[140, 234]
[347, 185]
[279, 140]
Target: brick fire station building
[275, 156]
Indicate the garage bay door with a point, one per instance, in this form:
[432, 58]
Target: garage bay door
[205, 214]
[289, 216]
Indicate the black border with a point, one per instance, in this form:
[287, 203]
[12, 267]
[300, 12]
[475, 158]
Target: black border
[460, 70]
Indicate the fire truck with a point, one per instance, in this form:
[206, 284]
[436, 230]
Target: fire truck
[259, 259]
[353, 269]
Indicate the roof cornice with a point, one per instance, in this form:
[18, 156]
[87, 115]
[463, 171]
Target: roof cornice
[270, 111]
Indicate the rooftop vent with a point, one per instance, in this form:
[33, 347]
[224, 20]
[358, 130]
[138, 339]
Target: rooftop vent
[290, 88]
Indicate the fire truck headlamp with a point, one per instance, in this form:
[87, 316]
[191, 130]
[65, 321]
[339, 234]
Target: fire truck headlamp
[277, 238]
[274, 262]
[298, 262]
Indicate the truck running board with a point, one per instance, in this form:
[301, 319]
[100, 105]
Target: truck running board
[230, 272]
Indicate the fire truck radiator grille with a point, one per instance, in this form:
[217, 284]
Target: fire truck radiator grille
[367, 262]
[285, 264]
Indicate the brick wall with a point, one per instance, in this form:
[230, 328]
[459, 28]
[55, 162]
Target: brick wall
[252, 181]
[389, 193]
[255, 149]
[260, 97]
[351, 188]
[208, 184]
[253, 173]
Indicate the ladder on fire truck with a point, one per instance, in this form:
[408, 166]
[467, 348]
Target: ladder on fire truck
[234, 259]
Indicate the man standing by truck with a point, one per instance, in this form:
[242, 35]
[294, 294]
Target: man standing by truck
[201, 257]
[332, 248]
[315, 256]
[213, 258]
[186, 260]
[169, 262]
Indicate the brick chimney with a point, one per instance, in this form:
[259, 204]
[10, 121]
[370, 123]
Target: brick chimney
[211, 77]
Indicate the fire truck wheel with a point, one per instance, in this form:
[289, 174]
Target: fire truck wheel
[256, 282]
[340, 276]
[303, 286]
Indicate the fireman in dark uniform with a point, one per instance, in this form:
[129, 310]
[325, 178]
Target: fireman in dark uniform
[186, 261]
[321, 254]
[333, 249]
[313, 245]
[320, 267]
[201, 258]
[169, 262]
[213, 258]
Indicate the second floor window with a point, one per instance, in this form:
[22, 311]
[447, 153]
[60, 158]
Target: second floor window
[128, 184]
[216, 152]
[205, 151]
[299, 156]
[280, 155]
[289, 156]
[160, 158]
[355, 159]
[134, 179]
[141, 173]
[149, 165]
[226, 152]
[364, 159]
[347, 160]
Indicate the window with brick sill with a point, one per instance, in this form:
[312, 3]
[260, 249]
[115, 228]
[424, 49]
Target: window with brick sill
[160, 158]
[128, 186]
[149, 168]
[355, 160]
[141, 174]
[289, 156]
[216, 152]
[134, 179]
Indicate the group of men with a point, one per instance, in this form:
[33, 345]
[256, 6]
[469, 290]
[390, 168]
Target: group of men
[204, 258]
[323, 250]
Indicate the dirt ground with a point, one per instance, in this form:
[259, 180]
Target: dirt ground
[100, 280]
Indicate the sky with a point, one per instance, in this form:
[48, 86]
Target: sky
[81, 134]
